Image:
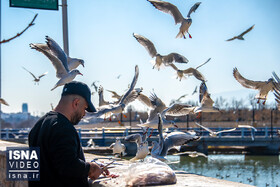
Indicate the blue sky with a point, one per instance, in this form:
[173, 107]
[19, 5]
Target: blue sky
[100, 32]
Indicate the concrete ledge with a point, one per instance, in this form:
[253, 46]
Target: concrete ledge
[183, 178]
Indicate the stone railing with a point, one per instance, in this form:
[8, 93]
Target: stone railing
[3, 167]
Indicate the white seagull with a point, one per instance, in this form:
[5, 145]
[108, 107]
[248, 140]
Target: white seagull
[118, 147]
[160, 59]
[36, 79]
[264, 87]
[73, 63]
[142, 145]
[118, 108]
[190, 71]
[156, 106]
[240, 36]
[206, 103]
[173, 139]
[59, 60]
[173, 11]
[213, 133]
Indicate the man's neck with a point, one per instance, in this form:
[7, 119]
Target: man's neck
[63, 112]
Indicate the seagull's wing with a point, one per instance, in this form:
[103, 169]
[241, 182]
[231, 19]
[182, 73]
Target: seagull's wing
[2, 101]
[112, 145]
[145, 100]
[227, 130]
[115, 95]
[178, 110]
[161, 140]
[125, 99]
[181, 97]
[209, 130]
[30, 73]
[246, 82]
[43, 46]
[248, 30]
[202, 90]
[233, 38]
[174, 67]
[194, 72]
[60, 69]
[169, 9]
[56, 49]
[174, 57]
[174, 139]
[193, 8]
[276, 82]
[158, 106]
[43, 75]
[203, 63]
[137, 138]
[149, 46]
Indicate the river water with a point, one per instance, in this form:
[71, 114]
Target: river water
[254, 170]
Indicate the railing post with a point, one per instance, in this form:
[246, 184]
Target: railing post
[242, 133]
[95, 135]
[7, 134]
[220, 135]
[266, 132]
[126, 131]
[103, 133]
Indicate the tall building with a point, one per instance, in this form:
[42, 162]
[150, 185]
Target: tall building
[24, 108]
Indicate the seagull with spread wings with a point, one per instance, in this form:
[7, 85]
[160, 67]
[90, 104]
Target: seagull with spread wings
[118, 108]
[173, 11]
[59, 60]
[264, 87]
[190, 71]
[73, 63]
[142, 144]
[206, 103]
[161, 147]
[240, 36]
[36, 79]
[160, 59]
[214, 133]
[156, 106]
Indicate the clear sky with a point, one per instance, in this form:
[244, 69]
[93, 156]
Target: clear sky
[100, 32]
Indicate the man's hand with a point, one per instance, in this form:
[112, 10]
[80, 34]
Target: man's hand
[94, 171]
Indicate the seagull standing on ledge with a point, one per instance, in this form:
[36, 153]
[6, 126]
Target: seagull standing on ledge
[173, 11]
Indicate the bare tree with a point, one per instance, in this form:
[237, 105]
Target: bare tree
[18, 34]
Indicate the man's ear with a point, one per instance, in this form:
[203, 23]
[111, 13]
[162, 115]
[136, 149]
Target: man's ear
[75, 103]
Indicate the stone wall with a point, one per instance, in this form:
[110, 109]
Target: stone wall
[3, 161]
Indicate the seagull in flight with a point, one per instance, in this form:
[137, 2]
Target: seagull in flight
[213, 133]
[59, 60]
[2, 101]
[195, 90]
[36, 79]
[192, 154]
[160, 59]
[173, 11]
[94, 85]
[240, 36]
[156, 106]
[190, 71]
[118, 108]
[264, 87]
[206, 103]
[73, 63]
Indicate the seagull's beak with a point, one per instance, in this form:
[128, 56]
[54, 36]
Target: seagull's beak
[80, 74]
[176, 126]
[82, 62]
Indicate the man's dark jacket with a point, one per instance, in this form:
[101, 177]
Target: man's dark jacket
[62, 161]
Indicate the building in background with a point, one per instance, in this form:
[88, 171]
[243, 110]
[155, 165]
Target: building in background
[24, 108]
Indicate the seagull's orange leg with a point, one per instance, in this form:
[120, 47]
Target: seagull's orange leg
[190, 36]
[198, 116]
